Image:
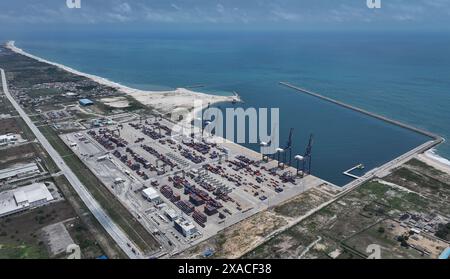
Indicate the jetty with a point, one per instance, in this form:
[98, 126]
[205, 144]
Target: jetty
[349, 171]
[237, 98]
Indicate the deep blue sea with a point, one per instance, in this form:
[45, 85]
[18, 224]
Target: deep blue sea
[405, 76]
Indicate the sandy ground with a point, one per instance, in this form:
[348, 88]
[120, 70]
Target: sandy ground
[180, 99]
[117, 102]
[434, 160]
[57, 237]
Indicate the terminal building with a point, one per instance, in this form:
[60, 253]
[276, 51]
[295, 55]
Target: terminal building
[19, 171]
[23, 198]
[186, 228]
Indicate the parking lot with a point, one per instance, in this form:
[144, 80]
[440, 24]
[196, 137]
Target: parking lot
[206, 187]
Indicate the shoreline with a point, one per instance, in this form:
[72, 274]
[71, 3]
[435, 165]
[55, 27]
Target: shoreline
[432, 154]
[433, 159]
[175, 100]
[162, 101]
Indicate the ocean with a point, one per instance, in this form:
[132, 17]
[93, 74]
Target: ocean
[404, 76]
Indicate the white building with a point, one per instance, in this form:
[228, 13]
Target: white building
[171, 213]
[185, 227]
[151, 194]
[7, 139]
[19, 171]
[23, 198]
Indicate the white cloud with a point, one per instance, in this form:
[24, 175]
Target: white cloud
[123, 8]
[220, 8]
[156, 16]
[227, 12]
[287, 16]
[176, 7]
[118, 17]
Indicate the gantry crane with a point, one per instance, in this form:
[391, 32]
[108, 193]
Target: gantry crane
[307, 158]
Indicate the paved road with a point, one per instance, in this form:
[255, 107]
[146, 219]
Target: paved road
[116, 233]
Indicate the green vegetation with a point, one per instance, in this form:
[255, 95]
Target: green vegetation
[90, 249]
[20, 234]
[27, 133]
[444, 231]
[36, 93]
[394, 199]
[376, 189]
[431, 186]
[423, 166]
[93, 227]
[48, 161]
[22, 251]
[300, 205]
[27, 72]
[423, 180]
[351, 224]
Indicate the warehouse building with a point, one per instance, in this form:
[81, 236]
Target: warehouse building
[151, 195]
[171, 213]
[23, 198]
[19, 171]
[85, 102]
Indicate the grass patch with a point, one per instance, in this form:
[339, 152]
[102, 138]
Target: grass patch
[36, 93]
[416, 163]
[22, 251]
[374, 188]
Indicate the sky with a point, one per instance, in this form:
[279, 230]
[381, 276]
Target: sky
[21, 15]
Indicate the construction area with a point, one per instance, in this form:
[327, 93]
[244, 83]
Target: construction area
[405, 213]
[182, 188]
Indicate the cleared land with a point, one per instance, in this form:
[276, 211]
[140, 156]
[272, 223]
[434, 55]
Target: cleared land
[381, 212]
[19, 234]
[237, 240]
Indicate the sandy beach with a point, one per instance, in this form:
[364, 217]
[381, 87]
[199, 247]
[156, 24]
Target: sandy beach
[431, 158]
[166, 102]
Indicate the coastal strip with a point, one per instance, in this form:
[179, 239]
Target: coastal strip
[165, 102]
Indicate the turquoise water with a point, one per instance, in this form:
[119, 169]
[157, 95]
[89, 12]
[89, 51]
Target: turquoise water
[399, 75]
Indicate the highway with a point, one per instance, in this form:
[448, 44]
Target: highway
[108, 224]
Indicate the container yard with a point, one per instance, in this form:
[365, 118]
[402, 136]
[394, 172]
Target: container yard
[200, 187]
